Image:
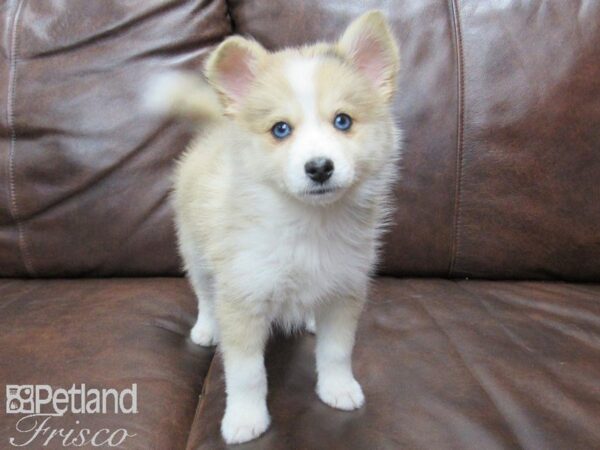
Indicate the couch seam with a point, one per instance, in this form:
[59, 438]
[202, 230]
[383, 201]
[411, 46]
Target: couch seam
[460, 87]
[10, 116]
[230, 17]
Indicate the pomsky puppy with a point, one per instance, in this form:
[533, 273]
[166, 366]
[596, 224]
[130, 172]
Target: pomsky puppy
[281, 200]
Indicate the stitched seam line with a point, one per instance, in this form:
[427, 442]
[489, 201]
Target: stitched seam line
[460, 86]
[12, 76]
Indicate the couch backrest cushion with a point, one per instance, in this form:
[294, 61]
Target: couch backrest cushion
[528, 196]
[498, 100]
[500, 103]
[84, 172]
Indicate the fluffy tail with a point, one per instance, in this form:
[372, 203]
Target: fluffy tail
[182, 94]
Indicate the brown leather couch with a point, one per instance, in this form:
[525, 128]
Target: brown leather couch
[483, 330]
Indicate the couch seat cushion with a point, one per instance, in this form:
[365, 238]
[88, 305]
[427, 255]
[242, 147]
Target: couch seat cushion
[444, 364]
[104, 334]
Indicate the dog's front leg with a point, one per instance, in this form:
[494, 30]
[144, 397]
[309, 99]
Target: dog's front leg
[336, 326]
[243, 337]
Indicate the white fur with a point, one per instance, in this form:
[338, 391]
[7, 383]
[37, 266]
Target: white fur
[259, 249]
[162, 91]
[181, 93]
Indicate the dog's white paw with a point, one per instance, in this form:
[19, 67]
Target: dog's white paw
[242, 424]
[341, 394]
[204, 333]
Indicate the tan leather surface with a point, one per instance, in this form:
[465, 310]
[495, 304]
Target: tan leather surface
[90, 169]
[444, 365]
[106, 334]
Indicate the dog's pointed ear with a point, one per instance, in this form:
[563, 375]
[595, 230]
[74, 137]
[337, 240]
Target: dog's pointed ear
[232, 67]
[370, 46]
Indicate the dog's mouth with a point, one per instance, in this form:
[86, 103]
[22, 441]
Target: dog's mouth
[322, 191]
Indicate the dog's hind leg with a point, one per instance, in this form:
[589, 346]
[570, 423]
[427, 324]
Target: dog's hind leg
[205, 331]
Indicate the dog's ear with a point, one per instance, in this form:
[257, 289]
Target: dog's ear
[232, 67]
[370, 46]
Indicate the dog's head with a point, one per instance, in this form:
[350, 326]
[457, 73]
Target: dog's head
[318, 117]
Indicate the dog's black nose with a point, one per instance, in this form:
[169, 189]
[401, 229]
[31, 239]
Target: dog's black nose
[319, 169]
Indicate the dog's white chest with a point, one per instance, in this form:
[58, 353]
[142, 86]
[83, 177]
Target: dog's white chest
[294, 267]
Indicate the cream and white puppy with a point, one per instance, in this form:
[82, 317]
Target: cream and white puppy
[280, 202]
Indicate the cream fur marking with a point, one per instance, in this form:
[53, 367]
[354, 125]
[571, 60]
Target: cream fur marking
[264, 242]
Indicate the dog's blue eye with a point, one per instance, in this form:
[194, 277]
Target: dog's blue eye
[281, 130]
[342, 122]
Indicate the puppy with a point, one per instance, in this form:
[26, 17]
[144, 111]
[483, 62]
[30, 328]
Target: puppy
[281, 200]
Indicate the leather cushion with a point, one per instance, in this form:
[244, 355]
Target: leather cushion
[497, 100]
[105, 334]
[84, 169]
[444, 365]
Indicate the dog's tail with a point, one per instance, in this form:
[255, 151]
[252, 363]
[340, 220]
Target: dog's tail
[182, 94]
